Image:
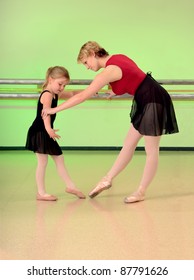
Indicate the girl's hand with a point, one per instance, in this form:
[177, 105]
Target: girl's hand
[52, 134]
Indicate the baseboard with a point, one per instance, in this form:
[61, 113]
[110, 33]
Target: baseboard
[97, 148]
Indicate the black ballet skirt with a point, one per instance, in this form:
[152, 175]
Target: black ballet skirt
[152, 111]
[38, 140]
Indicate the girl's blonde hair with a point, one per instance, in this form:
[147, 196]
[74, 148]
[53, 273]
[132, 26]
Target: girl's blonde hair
[91, 47]
[56, 72]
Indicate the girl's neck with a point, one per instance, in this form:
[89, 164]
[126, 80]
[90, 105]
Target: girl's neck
[49, 90]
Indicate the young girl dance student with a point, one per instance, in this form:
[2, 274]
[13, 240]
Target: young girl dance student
[152, 113]
[41, 137]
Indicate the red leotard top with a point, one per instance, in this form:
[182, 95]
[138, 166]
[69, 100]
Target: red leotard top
[132, 75]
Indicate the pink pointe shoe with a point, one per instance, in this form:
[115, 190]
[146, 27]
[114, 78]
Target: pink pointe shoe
[46, 197]
[135, 197]
[104, 184]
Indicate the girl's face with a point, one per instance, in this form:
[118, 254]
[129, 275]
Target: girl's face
[57, 85]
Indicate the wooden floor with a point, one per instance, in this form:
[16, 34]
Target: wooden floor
[104, 228]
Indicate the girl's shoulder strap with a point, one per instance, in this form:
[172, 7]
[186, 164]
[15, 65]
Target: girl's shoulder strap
[45, 91]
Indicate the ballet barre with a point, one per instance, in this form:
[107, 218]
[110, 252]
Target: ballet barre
[87, 82]
[33, 93]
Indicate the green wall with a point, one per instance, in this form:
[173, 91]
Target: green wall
[91, 124]
[38, 34]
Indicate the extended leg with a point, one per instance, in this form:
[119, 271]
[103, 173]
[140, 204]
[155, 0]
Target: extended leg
[121, 162]
[71, 188]
[126, 153]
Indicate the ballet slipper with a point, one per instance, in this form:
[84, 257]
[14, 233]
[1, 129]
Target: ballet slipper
[46, 197]
[104, 184]
[134, 197]
[76, 192]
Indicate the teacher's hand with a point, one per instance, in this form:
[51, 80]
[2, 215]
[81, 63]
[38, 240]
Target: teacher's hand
[47, 111]
[110, 94]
